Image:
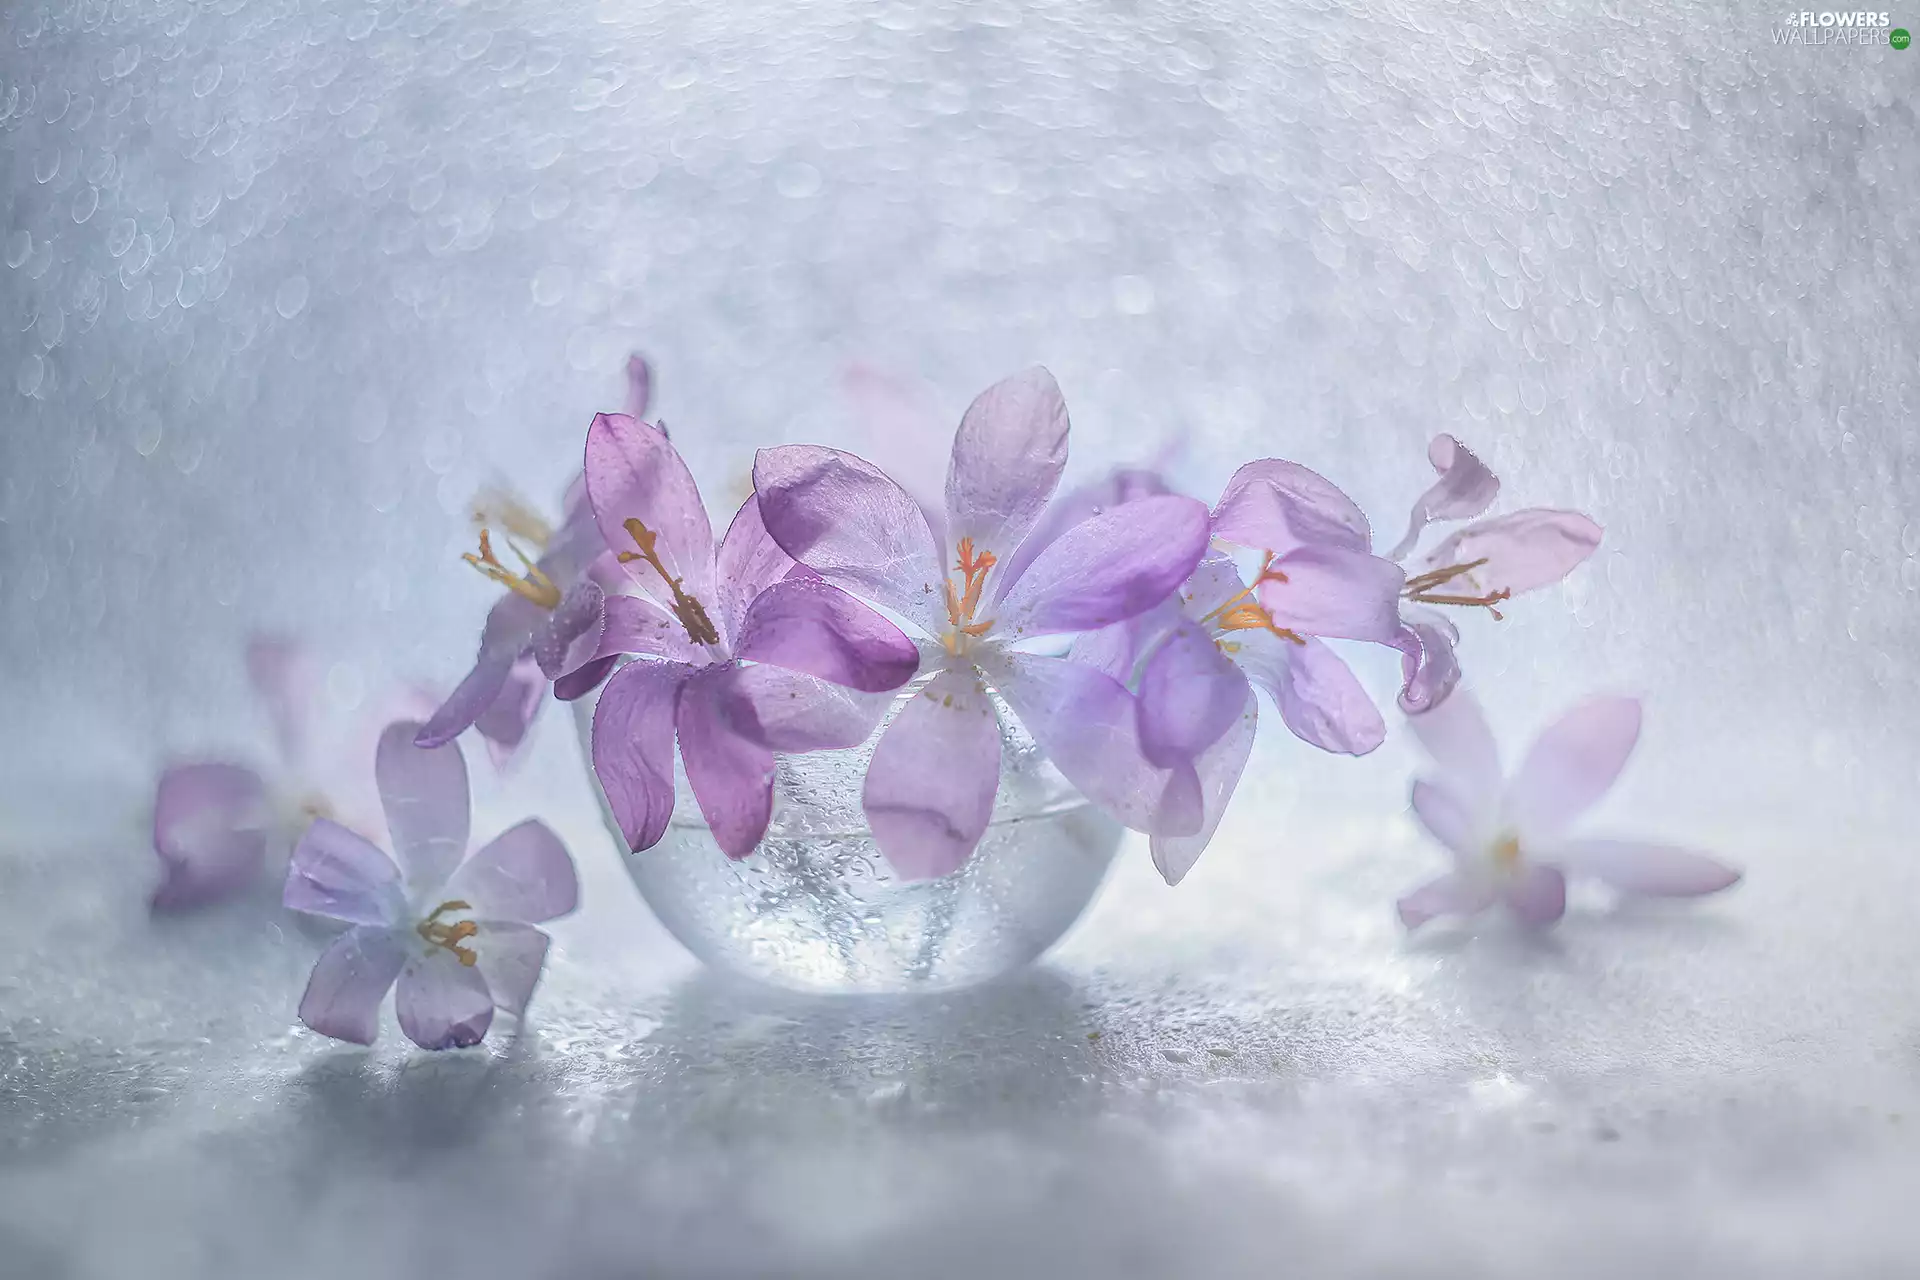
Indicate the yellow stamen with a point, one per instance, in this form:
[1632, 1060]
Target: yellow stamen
[534, 585]
[687, 608]
[451, 936]
[497, 507]
[1420, 588]
[963, 603]
[1506, 852]
[1243, 613]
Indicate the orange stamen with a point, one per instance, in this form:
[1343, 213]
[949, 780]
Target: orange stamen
[1420, 589]
[1242, 613]
[450, 936]
[533, 585]
[686, 607]
[963, 603]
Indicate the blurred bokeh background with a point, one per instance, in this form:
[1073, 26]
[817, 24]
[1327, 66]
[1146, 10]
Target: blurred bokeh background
[285, 283]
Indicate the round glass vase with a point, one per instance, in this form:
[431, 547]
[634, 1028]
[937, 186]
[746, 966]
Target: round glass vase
[816, 907]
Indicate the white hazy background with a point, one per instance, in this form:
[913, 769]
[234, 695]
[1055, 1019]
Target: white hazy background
[285, 283]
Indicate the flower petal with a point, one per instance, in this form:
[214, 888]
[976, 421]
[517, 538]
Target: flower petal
[1523, 551]
[1456, 735]
[634, 473]
[843, 518]
[424, 793]
[505, 721]
[1088, 724]
[1318, 696]
[337, 874]
[930, 787]
[1636, 866]
[784, 710]
[1007, 458]
[210, 829]
[1453, 894]
[577, 614]
[351, 977]
[633, 747]
[523, 874]
[470, 700]
[1219, 768]
[749, 561]
[509, 957]
[1429, 669]
[442, 1003]
[812, 626]
[1274, 505]
[1335, 592]
[639, 386]
[283, 677]
[584, 679]
[1106, 569]
[731, 775]
[1190, 693]
[1451, 818]
[1538, 896]
[630, 624]
[1116, 488]
[1465, 489]
[1571, 765]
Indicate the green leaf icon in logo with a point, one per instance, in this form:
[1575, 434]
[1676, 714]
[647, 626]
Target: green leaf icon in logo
[1899, 38]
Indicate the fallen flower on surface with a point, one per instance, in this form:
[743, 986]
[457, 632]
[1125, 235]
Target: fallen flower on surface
[453, 931]
[1509, 835]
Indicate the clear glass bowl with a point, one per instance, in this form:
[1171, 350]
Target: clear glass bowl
[816, 907]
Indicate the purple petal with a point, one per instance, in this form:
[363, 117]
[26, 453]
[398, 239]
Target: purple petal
[349, 980]
[901, 435]
[504, 640]
[1428, 667]
[442, 1003]
[1218, 768]
[1106, 569]
[639, 386]
[509, 957]
[1538, 896]
[1007, 458]
[1334, 592]
[283, 677]
[784, 710]
[424, 793]
[930, 787]
[1318, 696]
[505, 721]
[577, 614]
[584, 679]
[1452, 819]
[1110, 649]
[731, 775]
[1523, 551]
[210, 829]
[1571, 765]
[1190, 694]
[633, 747]
[749, 561]
[1115, 489]
[1465, 489]
[1273, 505]
[1453, 894]
[634, 473]
[630, 624]
[811, 626]
[337, 874]
[1635, 866]
[841, 517]
[1456, 735]
[1088, 725]
[524, 874]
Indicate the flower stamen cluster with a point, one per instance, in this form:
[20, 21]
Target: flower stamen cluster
[440, 934]
[534, 585]
[1243, 613]
[964, 602]
[1420, 589]
[686, 607]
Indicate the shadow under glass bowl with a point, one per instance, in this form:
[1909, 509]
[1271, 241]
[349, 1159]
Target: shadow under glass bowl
[816, 907]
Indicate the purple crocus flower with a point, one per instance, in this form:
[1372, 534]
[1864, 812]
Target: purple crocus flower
[931, 784]
[1478, 566]
[742, 655]
[454, 930]
[216, 822]
[1509, 836]
[1195, 661]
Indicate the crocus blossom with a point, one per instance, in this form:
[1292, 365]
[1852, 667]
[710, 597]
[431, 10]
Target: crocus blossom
[454, 930]
[935, 771]
[216, 823]
[1195, 661]
[1510, 836]
[1478, 566]
[741, 654]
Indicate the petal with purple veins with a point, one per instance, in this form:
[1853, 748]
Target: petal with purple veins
[1640, 867]
[424, 793]
[930, 787]
[1571, 765]
[351, 977]
[1522, 551]
[634, 473]
[1219, 768]
[523, 874]
[811, 626]
[631, 624]
[1317, 694]
[731, 774]
[337, 874]
[1190, 694]
[1465, 488]
[1106, 569]
[1114, 489]
[442, 1003]
[1334, 592]
[1274, 505]
[1007, 459]
[633, 732]
[210, 829]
